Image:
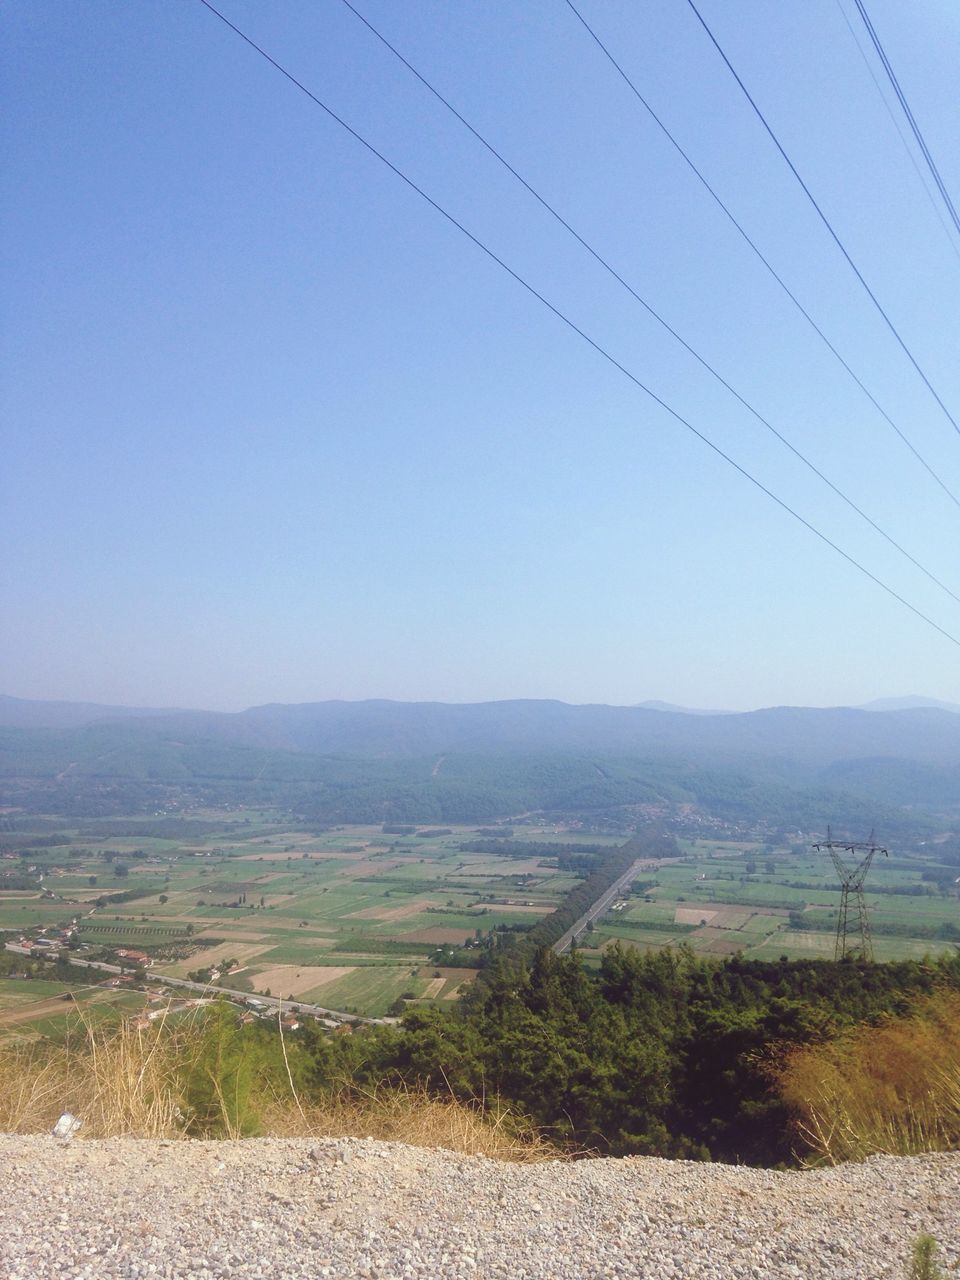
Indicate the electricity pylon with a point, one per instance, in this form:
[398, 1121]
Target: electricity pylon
[853, 926]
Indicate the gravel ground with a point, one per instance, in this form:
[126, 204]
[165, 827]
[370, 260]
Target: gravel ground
[278, 1208]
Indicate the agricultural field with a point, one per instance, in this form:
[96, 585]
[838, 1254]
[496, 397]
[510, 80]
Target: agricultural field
[725, 897]
[355, 918]
[367, 920]
[34, 1006]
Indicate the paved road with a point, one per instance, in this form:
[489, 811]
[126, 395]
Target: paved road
[269, 1002]
[602, 903]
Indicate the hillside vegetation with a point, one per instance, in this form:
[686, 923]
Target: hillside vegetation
[111, 770]
[892, 1085]
[435, 762]
[657, 1054]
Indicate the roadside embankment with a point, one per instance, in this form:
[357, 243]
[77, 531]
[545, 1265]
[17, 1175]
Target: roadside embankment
[279, 1209]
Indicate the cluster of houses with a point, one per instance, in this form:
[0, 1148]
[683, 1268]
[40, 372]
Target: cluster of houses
[157, 997]
[290, 1020]
[163, 1005]
[48, 943]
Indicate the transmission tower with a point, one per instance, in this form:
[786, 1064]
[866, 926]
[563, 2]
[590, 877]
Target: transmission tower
[852, 859]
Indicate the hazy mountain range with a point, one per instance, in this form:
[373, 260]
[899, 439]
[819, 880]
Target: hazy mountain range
[430, 760]
[909, 703]
[378, 728]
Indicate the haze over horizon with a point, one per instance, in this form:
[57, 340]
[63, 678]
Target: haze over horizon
[893, 703]
[277, 432]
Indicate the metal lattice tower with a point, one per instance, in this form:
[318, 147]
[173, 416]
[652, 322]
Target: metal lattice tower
[852, 859]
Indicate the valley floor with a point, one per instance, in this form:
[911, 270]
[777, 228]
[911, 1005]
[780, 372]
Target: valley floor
[277, 1209]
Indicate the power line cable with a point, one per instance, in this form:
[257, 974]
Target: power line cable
[759, 253]
[646, 305]
[825, 220]
[560, 315]
[899, 128]
[911, 119]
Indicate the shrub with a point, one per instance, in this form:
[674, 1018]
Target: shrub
[207, 1076]
[204, 1076]
[923, 1265]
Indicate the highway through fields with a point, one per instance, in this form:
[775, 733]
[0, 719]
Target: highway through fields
[603, 902]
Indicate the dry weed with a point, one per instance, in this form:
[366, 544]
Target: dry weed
[147, 1082]
[411, 1115]
[892, 1088]
[123, 1080]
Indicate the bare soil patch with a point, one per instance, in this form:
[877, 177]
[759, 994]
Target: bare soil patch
[456, 992]
[721, 916]
[694, 915]
[436, 935]
[367, 867]
[210, 956]
[487, 866]
[292, 979]
[720, 942]
[36, 1009]
[464, 975]
[506, 907]
[393, 913]
[297, 855]
[239, 935]
[821, 943]
[47, 1008]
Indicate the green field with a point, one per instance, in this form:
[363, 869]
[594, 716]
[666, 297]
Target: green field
[281, 901]
[16, 993]
[356, 917]
[727, 897]
[36, 1006]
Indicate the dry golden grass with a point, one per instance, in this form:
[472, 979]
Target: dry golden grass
[413, 1116]
[179, 1081]
[893, 1088]
[122, 1080]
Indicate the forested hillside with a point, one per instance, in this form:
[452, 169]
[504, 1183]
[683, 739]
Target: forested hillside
[104, 770]
[657, 1053]
[812, 736]
[433, 762]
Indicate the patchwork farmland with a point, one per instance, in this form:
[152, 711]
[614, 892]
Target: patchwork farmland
[369, 921]
[356, 919]
[725, 897]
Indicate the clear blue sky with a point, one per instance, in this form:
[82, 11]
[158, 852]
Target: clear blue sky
[274, 431]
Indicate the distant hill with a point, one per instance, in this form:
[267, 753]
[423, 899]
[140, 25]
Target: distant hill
[809, 735]
[654, 705]
[27, 713]
[813, 736]
[431, 761]
[910, 703]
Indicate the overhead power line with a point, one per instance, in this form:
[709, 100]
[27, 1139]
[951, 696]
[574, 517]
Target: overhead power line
[825, 220]
[908, 150]
[572, 325]
[911, 119]
[761, 256]
[643, 303]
